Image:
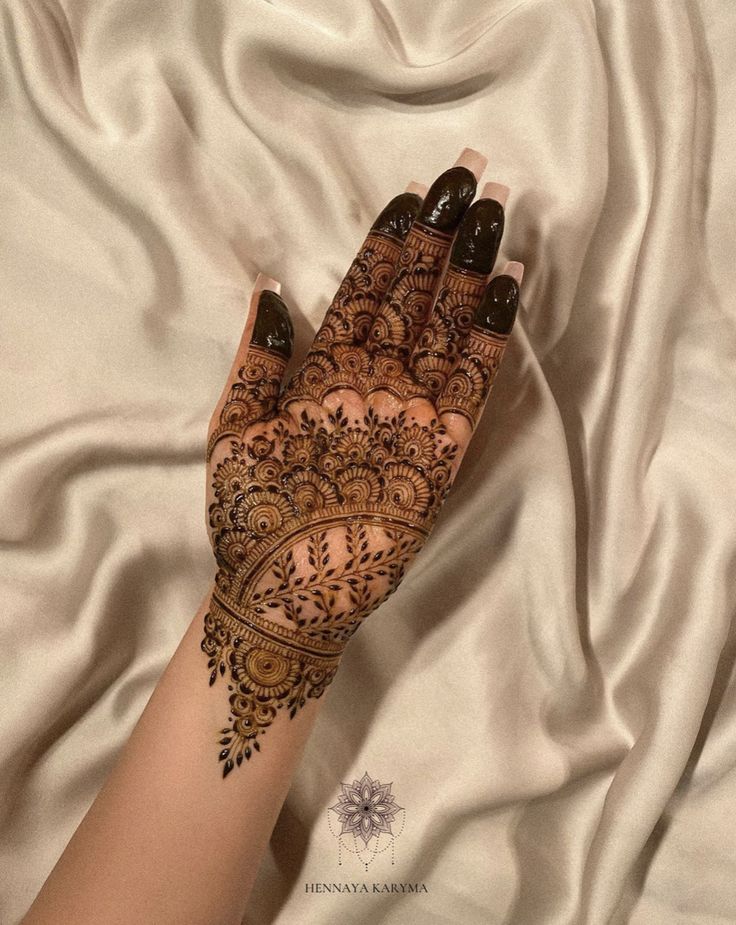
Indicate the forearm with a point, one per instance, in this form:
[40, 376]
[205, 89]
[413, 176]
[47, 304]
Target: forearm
[168, 840]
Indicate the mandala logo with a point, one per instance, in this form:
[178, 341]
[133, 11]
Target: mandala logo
[369, 819]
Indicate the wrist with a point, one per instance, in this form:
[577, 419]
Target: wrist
[269, 669]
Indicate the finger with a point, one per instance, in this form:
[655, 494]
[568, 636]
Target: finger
[255, 379]
[405, 309]
[471, 261]
[349, 317]
[469, 384]
[337, 355]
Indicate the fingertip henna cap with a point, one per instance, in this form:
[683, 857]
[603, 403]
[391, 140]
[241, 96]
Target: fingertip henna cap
[448, 198]
[273, 329]
[398, 216]
[497, 310]
[479, 237]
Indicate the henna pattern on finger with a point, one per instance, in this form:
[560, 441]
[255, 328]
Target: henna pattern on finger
[253, 395]
[349, 318]
[351, 313]
[468, 386]
[314, 522]
[437, 349]
[406, 308]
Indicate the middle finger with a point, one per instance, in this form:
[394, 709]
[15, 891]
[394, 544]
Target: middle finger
[405, 308]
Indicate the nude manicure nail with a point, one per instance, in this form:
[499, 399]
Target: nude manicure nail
[418, 188]
[266, 282]
[496, 191]
[515, 269]
[473, 160]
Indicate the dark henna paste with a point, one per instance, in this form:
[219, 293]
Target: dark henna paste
[448, 198]
[497, 309]
[273, 329]
[478, 237]
[398, 216]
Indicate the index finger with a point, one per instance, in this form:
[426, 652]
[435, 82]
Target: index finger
[350, 315]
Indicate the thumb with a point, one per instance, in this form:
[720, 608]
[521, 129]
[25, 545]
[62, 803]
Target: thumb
[254, 382]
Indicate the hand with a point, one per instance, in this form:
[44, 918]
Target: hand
[323, 492]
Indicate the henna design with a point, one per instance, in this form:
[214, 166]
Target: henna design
[470, 383]
[437, 349]
[319, 504]
[351, 314]
[404, 312]
[315, 520]
[253, 395]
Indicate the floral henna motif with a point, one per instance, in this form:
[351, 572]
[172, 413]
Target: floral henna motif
[314, 522]
[352, 311]
[438, 348]
[404, 312]
[253, 394]
[471, 380]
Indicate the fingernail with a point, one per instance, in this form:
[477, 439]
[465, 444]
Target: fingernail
[497, 309]
[478, 237]
[473, 160]
[266, 282]
[448, 198]
[419, 188]
[273, 329]
[398, 216]
[496, 191]
[515, 269]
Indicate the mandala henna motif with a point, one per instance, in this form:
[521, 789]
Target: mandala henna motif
[314, 522]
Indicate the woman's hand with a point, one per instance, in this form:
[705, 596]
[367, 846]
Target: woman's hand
[322, 492]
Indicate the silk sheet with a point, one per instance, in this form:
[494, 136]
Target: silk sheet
[551, 690]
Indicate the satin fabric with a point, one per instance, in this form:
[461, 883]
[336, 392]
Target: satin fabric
[551, 689]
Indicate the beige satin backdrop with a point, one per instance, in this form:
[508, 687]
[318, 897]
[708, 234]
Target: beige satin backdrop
[550, 691]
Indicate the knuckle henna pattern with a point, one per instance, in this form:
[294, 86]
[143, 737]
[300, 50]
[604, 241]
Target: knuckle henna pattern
[349, 318]
[323, 492]
[469, 384]
[405, 310]
[438, 347]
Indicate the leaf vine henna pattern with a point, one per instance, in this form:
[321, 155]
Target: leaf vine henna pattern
[314, 523]
[323, 492]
